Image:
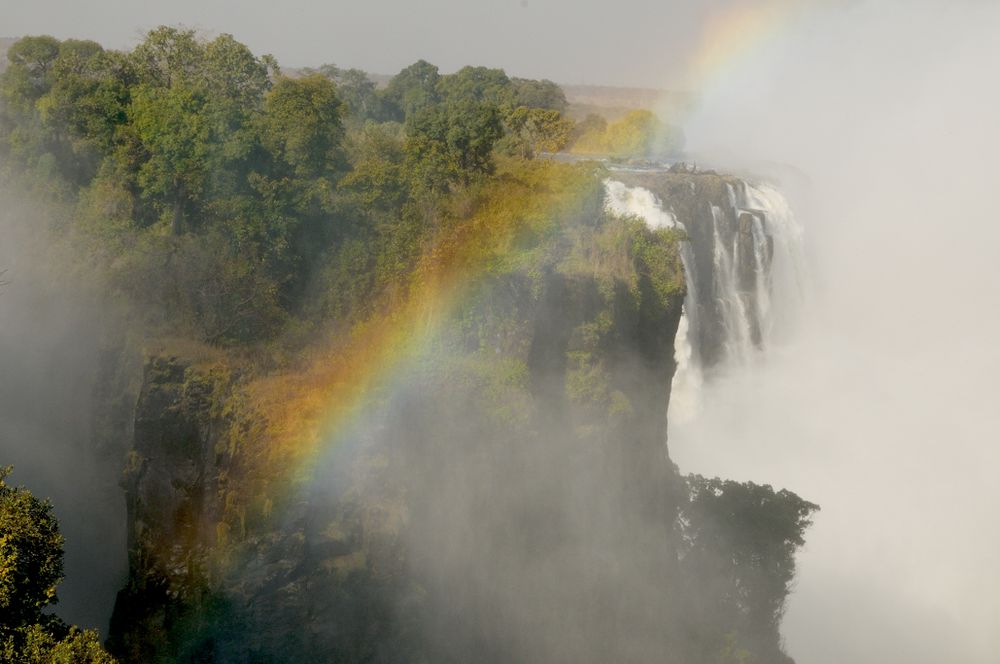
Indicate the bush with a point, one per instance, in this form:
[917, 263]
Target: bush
[31, 553]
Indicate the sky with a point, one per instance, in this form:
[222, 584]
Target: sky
[641, 43]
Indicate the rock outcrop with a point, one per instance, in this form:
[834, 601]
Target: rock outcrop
[504, 495]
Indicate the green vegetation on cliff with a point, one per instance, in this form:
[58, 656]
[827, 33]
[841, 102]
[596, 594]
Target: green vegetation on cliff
[31, 554]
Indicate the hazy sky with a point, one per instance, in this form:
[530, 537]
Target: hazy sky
[628, 42]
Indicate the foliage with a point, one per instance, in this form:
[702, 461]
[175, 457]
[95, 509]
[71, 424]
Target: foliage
[480, 85]
[223, 197]
[412, 90]
[30, 554]
[190, 139]
[451, 143]
[301, 125]
[529, 131]
[738, 545]
[377, 181]
[30, 62]
[638, 134]
[31, 551]
[542, 94]
[40, 646]
[358, 93]
[170, 126]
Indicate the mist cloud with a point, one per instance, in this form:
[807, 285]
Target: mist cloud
[51, 340]
[884, 409]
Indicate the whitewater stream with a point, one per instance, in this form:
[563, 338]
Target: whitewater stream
[754, 304]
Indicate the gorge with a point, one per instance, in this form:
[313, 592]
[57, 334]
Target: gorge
[510, 497]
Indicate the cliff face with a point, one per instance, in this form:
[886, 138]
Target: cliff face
[504, 495]
[543, 391]
[730, 247]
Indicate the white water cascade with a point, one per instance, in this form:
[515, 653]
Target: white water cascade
[623, 200]
[786, 282]
[755, 286]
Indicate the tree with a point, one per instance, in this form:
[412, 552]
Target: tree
[376, 181]
[168, 55]
[634, 135]
[357, 91]
[637, 134]
[235, 82]
[197, 137]
[413, 89]
[190, 117]
[533, 130]
[538, 94]
[234, 74]
[478, 85]
[175, 136]
[31, 552]
[302, 127]
[591, 126]
[452, 143]
[88, 97]
[27, 77]
[738, 551]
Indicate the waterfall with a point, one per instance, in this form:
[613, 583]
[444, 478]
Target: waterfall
[754, 246]
[623, 200]
[730, 301]
[783, 287]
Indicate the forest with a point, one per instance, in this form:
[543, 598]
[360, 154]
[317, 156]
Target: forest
[231, 202]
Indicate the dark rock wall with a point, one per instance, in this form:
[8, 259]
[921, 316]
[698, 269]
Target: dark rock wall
[507, 498]
[353, 568]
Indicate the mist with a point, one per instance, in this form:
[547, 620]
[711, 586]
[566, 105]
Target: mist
[883, 407]
[536, 539]
[53, 336]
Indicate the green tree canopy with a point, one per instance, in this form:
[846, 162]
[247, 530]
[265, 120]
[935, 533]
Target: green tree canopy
[538, 94]
[175, 135]
[357, 91]
[413, 89]
[532, 130]
[481, 85]
[168, 56]
[211, 188]
[301, 125]
[452, 143]
[29, 63]
[739, 542]
[88, 98]
[31, 553]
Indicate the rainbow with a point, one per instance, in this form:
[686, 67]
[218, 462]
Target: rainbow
[297, 416]
[732, 37]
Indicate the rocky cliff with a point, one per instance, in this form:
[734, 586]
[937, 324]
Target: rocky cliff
[506, 496]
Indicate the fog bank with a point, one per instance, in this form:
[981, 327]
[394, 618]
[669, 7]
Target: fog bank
[884, 407]
[50, 353]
